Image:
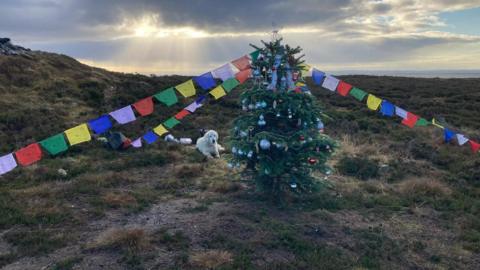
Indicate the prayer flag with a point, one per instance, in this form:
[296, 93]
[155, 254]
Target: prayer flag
[243, 75]
[254, 55]
[401, 112]
[150, 137]
[448, 134]
[193, 106]
[144, 106]
[171, 122]
[224, 72]
[317, 76]
[242, 63]
[187, 89]
[123, 115]
[229, 84]
[343, 88]
[167, 97]
[436, 124]
[29, 154]
[7, 163]
[200, 99]
[100, 124]
[462, 139]
[300, 84]
[137, 143]
[387, 108]
[330, 83]
[475, 146]
[160, 130]
[55, 144]
[410, 120]
[78, 134]
[218, 92]
[182, 114]
[373, 102]
[305, 67]
[205, 81]
[422, 122]
[358, 94]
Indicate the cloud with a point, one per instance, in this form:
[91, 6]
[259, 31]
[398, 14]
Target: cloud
[186, 34]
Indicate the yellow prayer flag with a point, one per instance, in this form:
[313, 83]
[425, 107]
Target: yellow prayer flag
[300, 84]
[373, 102]
[78, 134]
[218, 92]
[187, 89]
[436, 124]
[160, 130]
[304, 68]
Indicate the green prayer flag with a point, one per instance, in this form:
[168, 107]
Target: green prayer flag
[422, 122]
[167, 97]
[229, 84]
[255, 55]
[358, 93]
[170, 123]
[55, 144]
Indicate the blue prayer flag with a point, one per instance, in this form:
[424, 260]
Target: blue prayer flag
[150, 137]
[317, 76]
[205, 81]
[200, 99]
[387, 109]
[100, 124]
[448, 134]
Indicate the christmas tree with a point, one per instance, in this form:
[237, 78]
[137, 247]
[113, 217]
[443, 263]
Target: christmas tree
[280, 137]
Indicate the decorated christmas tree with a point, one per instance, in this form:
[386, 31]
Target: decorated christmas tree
[280, 136]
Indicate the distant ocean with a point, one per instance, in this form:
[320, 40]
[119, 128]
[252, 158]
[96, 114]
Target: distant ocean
[413, 73]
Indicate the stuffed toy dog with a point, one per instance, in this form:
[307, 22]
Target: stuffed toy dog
[208, 144]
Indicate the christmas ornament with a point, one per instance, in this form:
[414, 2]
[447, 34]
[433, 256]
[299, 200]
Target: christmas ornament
[290, 114]
[274, 105]
[263, 104]
[312, 161]
[302, 138]
[240, 152]
[265, 144]
[293, 184]
[250, 154]
[261, 121]
[278, 114]
[234, 150]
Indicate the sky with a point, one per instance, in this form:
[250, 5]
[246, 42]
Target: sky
[193, 36]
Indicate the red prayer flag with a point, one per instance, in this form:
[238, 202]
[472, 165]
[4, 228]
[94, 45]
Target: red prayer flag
[242, 63]
[243, 75]
[410, 120]
[29, 154]
[144, 107]
[182, 114]
[475, 146]
[343, 88]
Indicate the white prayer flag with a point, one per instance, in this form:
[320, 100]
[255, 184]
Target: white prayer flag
[7, 163]
[224, 72]
[330, 83]
[462, 139]
[137, 143]
[401, 112]
[123, 115]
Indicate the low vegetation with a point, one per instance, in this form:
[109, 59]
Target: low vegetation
[397, 198]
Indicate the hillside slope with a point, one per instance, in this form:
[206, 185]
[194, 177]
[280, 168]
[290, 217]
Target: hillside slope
[399, 198]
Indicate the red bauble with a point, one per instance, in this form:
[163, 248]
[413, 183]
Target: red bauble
[312, 160]
[302, 138]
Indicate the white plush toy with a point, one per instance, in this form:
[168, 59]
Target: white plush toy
[208, 144]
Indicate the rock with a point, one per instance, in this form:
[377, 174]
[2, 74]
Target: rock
[62, 172]
[7, 48]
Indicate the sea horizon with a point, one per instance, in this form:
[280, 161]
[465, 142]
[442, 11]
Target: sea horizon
[442, 73]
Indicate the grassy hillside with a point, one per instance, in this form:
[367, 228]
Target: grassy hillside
[399, 198]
